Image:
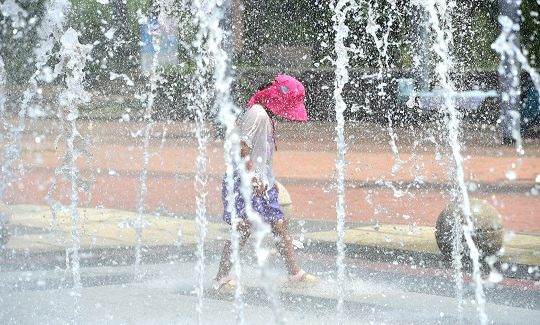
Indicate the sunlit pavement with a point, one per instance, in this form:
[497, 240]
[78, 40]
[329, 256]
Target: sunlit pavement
[390, 219]
[164, 294]
[36, 230]
[405, 185]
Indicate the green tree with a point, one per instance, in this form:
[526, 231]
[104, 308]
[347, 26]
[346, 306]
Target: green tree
[18, 38]
[530, 31]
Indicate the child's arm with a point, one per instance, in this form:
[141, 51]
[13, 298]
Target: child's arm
[245, 153]
[258, 186]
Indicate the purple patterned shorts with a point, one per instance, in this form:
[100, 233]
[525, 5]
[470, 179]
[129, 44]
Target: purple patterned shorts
[267, 207]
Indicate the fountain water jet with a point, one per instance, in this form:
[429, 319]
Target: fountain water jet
[210, 61]
[342, 77]
[437, 12]
[72, 62]
[50, 32]
[227, 113]
[200, 101]
[511, 57]
[147, 117]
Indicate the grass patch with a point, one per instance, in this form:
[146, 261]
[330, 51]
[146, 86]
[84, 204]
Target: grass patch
[125, 110]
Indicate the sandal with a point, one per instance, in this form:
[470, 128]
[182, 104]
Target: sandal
[302, 279]
[225, 285]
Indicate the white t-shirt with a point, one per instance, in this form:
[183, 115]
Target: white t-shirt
[257, 132]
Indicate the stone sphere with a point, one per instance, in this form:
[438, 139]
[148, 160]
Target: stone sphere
[284, 199]
[488, 227]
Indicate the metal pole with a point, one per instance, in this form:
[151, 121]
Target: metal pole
[509, 84]
[419, 47]
[226, 26]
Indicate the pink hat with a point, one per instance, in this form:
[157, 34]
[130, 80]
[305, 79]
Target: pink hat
[285, 97]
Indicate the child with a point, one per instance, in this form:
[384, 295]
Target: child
[284, 97]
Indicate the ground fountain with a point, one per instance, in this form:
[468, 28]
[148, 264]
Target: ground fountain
[73, 56]
[341, 79]
[443, 69]
[200, 102]
[358, 261]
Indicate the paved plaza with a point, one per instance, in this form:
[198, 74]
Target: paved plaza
[406, 183]
[395, 190]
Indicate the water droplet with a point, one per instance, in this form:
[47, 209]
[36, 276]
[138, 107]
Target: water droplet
[472, 187]
[297, 244]
[495, 277]
[509, 235]
[510, 175]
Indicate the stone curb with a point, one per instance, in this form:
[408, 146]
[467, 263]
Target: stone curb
[35, 230]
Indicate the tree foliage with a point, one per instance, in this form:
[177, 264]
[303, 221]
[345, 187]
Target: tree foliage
[114, 29]
[381, 31]
[17, 43]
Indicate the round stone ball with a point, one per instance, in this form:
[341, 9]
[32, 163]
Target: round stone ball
[284, 199]
[488, 227]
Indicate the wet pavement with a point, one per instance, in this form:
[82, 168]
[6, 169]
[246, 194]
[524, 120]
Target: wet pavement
[395, 190]
[406, 183]
[164, 295]
[397, 182]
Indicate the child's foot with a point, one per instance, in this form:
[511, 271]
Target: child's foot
[226, 285]
[302, 279]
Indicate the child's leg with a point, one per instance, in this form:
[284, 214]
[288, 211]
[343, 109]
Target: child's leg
[225, 264]
[280, 228]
